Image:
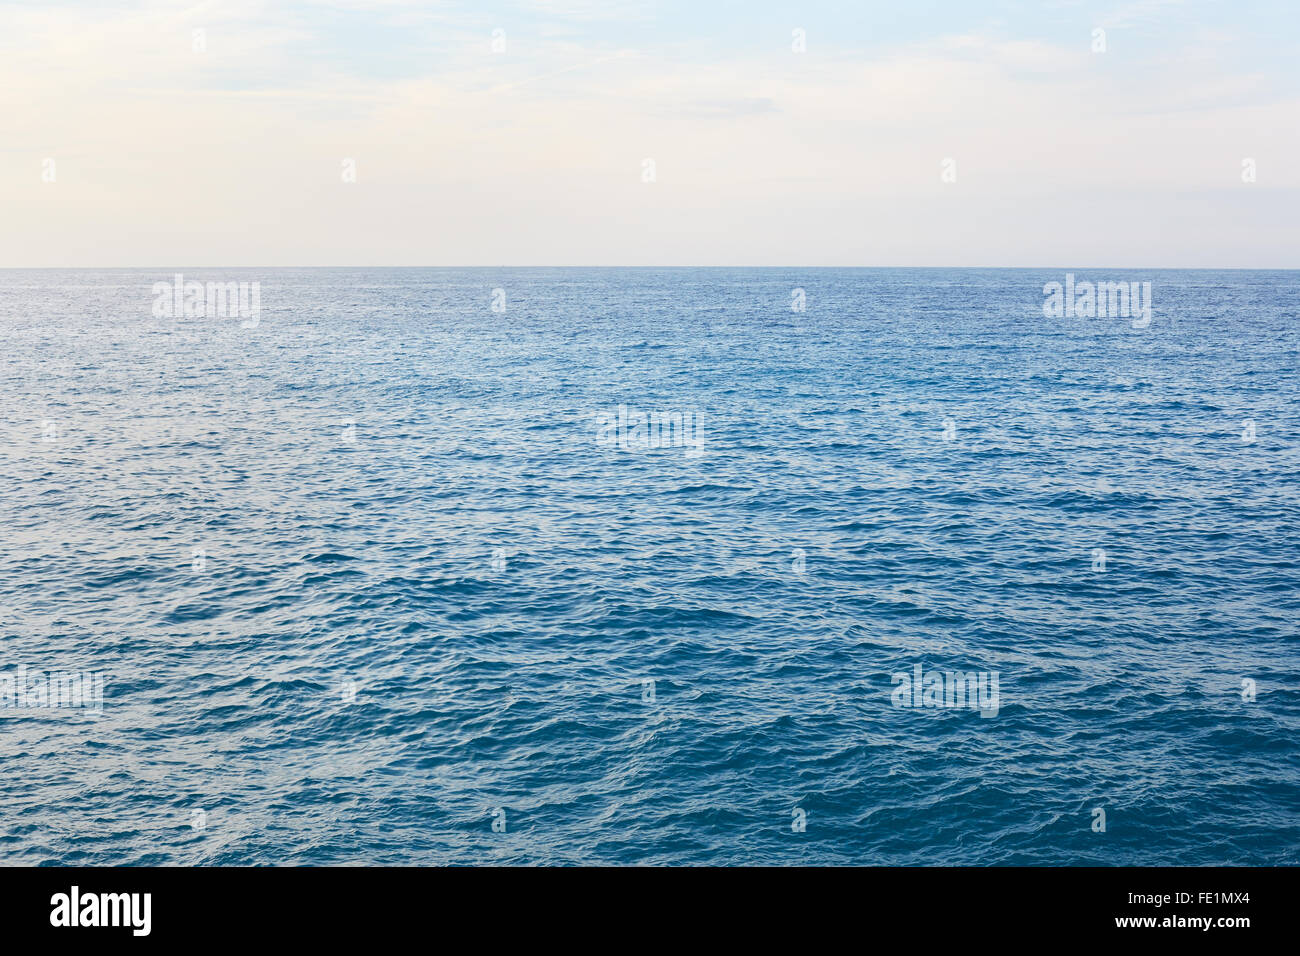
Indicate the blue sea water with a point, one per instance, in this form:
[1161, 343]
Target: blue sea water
[364, 579]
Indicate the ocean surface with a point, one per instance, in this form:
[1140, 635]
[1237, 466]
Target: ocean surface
[380, 579]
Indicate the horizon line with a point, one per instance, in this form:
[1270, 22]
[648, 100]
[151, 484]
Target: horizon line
[176, 268]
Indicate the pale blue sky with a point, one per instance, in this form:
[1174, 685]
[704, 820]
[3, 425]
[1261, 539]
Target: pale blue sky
[123, 145]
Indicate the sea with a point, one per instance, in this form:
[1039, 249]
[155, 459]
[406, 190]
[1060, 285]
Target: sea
[697, 566]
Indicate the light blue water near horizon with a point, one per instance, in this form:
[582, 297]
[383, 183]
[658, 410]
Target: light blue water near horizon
[351, 467]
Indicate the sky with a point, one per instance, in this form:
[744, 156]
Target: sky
[619, 132]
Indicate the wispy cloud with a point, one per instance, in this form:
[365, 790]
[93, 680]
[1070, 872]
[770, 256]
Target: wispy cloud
[232, 154]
